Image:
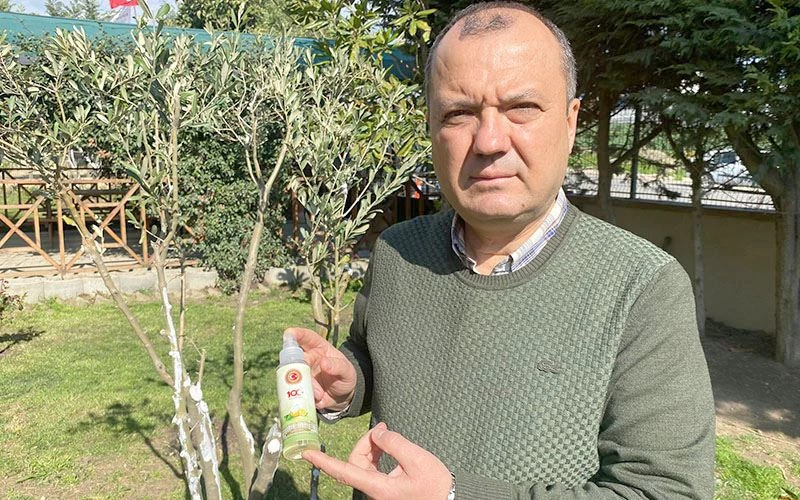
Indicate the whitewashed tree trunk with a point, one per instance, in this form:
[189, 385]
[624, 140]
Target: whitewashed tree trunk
[191, 470]
[195, 431]
[268, 464]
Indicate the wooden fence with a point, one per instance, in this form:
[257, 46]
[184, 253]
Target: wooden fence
[36, 237]
[107, 206]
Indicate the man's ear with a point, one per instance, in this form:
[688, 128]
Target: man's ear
[427, 119]
[572, 120]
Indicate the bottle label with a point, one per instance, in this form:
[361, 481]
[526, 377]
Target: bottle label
[296, 397]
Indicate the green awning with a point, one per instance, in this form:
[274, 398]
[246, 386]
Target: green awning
[27, 26]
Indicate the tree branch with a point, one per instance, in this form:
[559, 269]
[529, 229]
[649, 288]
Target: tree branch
[753, 159]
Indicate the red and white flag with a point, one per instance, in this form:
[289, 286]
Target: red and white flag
[123, 3]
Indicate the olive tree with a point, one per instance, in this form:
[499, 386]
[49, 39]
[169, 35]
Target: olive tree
[357, 142]
[145, 100]
[261, 82]
[350, 137]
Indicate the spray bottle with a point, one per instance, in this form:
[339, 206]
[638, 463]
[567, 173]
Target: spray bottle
[296, 401]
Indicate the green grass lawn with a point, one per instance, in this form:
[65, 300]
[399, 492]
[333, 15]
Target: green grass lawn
[83, 414]
[738, 478]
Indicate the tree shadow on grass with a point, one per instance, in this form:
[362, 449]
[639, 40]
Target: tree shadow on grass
[9, 340]
[224, 465]
[284, 488]
[119, 418]
[259, 367]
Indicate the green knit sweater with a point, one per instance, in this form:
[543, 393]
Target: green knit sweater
[580, 375]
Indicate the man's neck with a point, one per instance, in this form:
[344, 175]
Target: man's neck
[489, 246]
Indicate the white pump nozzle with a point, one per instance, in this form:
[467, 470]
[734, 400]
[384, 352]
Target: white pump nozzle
[291, 352]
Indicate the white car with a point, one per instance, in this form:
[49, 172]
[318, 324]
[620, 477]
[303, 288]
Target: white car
[726, 168]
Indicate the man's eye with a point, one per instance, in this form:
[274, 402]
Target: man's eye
[527, 106]
[522, 111]
[455, 115]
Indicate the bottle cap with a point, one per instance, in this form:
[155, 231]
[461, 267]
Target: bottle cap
[291, 352]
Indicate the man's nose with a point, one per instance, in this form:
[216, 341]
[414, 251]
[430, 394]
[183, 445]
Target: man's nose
[492, 135]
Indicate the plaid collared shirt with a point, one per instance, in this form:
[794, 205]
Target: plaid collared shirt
[526, 252]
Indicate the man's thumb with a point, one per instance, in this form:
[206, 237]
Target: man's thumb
[394, 444]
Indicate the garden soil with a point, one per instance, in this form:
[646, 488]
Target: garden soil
[757, 399]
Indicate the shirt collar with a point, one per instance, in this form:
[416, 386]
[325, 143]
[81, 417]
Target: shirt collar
[526, 252]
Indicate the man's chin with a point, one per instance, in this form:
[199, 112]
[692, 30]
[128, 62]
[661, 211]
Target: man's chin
[499, 215]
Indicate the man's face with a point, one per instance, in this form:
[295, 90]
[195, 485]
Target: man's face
[500, 124]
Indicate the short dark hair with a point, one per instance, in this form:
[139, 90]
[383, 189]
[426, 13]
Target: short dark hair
[475, 25]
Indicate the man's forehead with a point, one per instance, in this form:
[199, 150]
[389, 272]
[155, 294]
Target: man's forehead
[491, 63]
[492, 21]
[514, 27]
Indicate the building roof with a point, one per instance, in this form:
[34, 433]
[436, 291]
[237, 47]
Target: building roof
[16, 25]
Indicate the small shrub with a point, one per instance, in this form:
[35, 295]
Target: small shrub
[9, 303]
[221, 202]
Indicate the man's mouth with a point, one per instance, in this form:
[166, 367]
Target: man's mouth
[491, 178]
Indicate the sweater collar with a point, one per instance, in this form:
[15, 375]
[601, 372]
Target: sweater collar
[526, 252]
[520, 276]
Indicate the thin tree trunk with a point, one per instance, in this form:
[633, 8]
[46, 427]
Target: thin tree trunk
[698, 281]
[696, 167]
[318, 309]
[335, 327]
[195, 432]
[604, 170]
[204, 440]
[244, 438]
[787, 349]
[191, 470]
[89, 246]
[268, 464]
[786, 198]
[192, 473]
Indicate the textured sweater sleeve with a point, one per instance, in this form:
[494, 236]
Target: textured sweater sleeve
[656, 438]
[355, 349]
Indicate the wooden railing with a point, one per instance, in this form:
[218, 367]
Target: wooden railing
[105, 205]
[109, 207]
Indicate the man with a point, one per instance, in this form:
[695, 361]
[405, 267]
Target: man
[516, 347]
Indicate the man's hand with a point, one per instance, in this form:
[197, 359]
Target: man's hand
[334, 376]
[419, 474]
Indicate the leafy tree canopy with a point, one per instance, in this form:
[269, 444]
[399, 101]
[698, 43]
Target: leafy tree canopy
[78, 9]
[267, 16]
[9, 6]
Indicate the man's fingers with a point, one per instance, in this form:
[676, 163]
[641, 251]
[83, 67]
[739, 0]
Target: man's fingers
[306, 338]
[404, 451]
[312, 344]
[369, 482]
[365, 454]
[334, 376]
[319, 394]
[338, 368]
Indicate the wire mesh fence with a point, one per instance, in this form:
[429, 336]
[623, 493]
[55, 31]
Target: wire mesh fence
[654, 173]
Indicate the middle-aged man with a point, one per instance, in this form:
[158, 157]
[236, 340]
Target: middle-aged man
[516, 347]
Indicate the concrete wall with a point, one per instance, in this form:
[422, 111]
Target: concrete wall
[740, 251]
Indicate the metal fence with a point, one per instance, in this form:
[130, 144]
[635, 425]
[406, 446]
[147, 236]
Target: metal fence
[655, 174]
